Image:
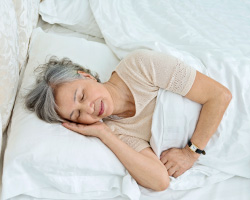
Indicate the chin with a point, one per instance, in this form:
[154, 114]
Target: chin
[89, 123]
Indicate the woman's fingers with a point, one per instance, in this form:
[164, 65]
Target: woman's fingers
[176, 174]
[68, 125]
[163, 157]
[74, 127]
[172, 171]
[86, 130]
[163, 154]
[95, 130]
[168, 165]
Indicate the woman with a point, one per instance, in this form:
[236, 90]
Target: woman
[68, 93]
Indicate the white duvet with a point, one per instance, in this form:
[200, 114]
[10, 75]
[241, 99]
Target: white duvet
[213, 37]
[174, 122]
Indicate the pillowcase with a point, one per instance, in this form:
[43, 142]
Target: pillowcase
[75, 15]
[45, 160]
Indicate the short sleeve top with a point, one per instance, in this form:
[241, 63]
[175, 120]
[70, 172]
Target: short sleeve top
[144, 72]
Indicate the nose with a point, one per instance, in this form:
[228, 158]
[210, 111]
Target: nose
[87, 107]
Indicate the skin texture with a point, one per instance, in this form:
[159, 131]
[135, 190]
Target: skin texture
[144, 166]
[89, 96]
[78, 97]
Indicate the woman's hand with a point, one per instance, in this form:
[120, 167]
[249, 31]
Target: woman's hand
[95, 130]
[177, 161]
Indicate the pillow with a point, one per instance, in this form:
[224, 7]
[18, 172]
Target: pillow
[9, 70]
[75, 15]
[48, 161]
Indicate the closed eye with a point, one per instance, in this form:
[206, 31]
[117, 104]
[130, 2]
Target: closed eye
[79, 114]
[82, 97]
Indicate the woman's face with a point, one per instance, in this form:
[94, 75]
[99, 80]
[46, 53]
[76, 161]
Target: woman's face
[83, 101]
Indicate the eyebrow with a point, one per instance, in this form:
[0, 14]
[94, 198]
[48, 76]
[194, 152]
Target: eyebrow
[74, 101]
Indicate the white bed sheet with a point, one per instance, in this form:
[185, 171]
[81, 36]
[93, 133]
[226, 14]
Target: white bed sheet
[231, 189]
[236, 188]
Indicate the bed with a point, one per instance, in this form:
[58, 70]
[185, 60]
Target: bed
[46, 161]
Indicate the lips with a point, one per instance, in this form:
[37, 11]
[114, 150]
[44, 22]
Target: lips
[101, 109]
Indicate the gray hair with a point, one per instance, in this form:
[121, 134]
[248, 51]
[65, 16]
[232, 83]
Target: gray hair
[41, 98]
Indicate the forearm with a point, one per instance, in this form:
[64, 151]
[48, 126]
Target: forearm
[146, 171]
[210, 117]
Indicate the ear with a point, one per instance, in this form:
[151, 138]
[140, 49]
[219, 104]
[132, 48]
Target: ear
[86, 75]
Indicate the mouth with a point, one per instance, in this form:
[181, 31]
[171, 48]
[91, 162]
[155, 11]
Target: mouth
[101, 109]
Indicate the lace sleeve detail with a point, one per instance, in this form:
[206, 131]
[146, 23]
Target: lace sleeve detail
[136, 143]
[161, 70]
[182, 79]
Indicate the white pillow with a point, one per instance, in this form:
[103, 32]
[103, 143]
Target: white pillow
[45, 160]
[75, 15]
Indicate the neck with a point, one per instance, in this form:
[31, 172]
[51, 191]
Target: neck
[123, 100]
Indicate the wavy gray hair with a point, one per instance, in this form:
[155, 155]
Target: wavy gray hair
[41, 98]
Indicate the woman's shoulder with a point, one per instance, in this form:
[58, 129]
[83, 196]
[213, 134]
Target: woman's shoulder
[139, 53]
[136, 67]
[137, 60]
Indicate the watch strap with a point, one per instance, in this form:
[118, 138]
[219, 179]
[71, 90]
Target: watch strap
[199, 151]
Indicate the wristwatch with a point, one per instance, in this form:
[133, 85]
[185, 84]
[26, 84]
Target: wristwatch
[195, 148]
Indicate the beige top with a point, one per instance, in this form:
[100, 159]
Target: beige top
[144, 72]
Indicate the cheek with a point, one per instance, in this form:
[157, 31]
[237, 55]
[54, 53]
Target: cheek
[87, 120]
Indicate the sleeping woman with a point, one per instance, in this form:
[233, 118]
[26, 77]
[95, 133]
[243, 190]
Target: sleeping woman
[119, 112]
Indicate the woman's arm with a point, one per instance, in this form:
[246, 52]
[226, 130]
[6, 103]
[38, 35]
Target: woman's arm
[144, 166]
[215, 99]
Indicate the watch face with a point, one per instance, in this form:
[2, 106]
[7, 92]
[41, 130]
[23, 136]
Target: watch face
[193, 148]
